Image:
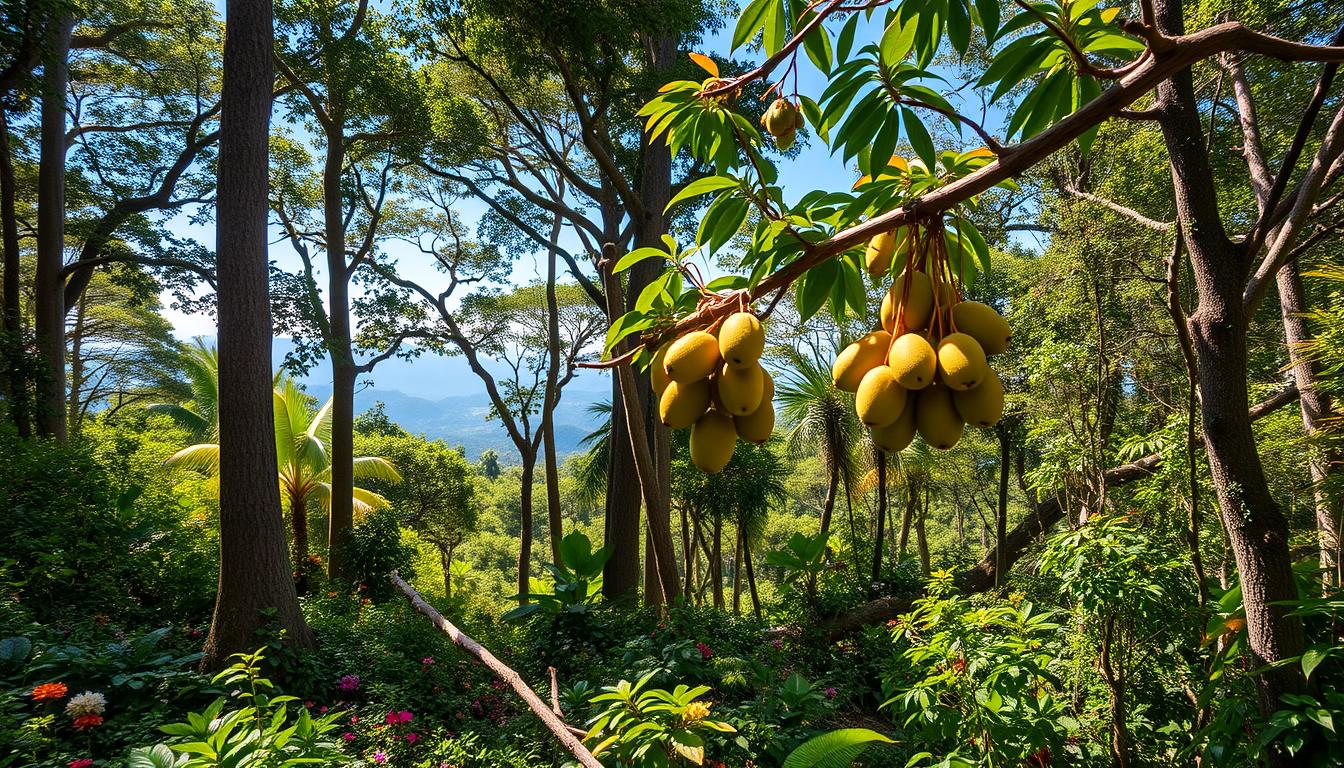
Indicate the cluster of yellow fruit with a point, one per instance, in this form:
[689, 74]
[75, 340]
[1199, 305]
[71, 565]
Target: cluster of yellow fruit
[716, 386]
[782, 121]
[925, 371]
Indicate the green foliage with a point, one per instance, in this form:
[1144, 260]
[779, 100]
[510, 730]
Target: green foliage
[376, 549]
[836, 749]
[803, 559]
[975, 681]
[576, 581]
[255, 728]
[643, 727]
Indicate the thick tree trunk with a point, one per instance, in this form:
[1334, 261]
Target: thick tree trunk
[621, 574]
[49, 288]
[15, 380]
[341, 516]
[525, 525]
[1315, 408]
[1256, 527]
[253, 565]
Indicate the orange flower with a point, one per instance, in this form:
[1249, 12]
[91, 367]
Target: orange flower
[47, 691]
[88, 721]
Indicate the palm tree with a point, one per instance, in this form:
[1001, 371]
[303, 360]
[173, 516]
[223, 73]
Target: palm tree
[822, 424]
[200, 414]
[303, 449]
[590, 471]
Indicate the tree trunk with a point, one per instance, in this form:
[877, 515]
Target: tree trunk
[76, 383]
[49, 288]
[1115, 683]
[298, 521]
[922, 544]
[445, 557]
[653, 588]
[1256, 527]
[716, 561]
[1001, 511]
[15, 381]
[621, 574]
[253, 566]
[341, 516]
[751, 579]
[829, 505]
[1315, 408]
[737, 572]
[551, 399]
[881, 513]
[911, 502]
[525, 525]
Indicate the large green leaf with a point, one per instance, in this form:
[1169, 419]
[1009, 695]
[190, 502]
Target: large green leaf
[836, 749]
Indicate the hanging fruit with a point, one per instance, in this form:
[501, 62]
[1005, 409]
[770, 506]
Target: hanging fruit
[714, 383]
[926, 371]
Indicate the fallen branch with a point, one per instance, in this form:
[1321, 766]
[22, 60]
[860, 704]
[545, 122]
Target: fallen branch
[464, 641]
[981, 577]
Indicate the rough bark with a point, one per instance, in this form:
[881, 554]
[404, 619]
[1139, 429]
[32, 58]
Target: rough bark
[253, 565]
[341, 515]
[48, 290]
[15, 380]
[1315, 407]
[1256, 527]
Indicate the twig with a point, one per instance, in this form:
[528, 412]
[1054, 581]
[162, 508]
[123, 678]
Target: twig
[464, 641]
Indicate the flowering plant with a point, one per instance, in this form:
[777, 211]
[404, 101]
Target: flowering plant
[653, 726]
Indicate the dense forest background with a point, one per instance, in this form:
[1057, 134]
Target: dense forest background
[314, 306]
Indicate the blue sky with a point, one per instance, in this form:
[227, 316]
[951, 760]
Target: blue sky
[433, 377]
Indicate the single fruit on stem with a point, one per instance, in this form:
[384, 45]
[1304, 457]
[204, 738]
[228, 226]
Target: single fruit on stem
[713, 438]
[693, 356]
[880, 398]
[913, 361]
[741, 340]
[681, 404]
[961, 361]
[936, 418]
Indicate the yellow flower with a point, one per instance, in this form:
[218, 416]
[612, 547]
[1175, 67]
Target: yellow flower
[695, 711]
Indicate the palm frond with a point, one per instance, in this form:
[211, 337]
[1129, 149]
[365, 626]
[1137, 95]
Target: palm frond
[202, 457]
[375, 468]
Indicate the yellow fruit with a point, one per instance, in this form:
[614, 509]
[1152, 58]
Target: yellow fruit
[657, 374]
[757, 426]
[741, 389]
[983, 406]
[937, 419]
[894, 437]
[767, 387]
[712, 441]
[913, 361]
[961, 361]
[741, 340]
[880, 399]
[878, 256]
[858, 359]
[693, 356]
[786, 139]
[918, 303]
[982, 323]
[681, 404]
[781, 117]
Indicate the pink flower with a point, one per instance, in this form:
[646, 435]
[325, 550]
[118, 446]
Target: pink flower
[705, 652]
[830, 693]
[391, 718]
[348, 736]
[412, 737]
[427, 660]
[354, 719]
[322, 710]
[777, 643]
[349, 683]
[379, 757]
[405, 716]
[82, 762]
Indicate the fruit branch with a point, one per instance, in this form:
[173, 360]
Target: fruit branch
[1178, 53]
[732, 85]
[462, 640]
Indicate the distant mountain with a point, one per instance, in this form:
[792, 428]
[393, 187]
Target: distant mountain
[462, 419]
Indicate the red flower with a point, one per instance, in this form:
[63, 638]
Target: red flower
[84, 722]
[47, 691]
[81, 762]
[704, 650]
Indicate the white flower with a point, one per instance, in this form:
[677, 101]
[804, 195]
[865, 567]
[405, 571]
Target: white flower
[86, 703]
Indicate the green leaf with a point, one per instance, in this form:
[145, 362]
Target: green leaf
[751, 21]
[814, 288]
[897, 39]
[1312, 659]
[958, 26]
[773, 37]
[630, 322]
[836, 749]
[845, 43]
[988, 11]
[817, 45]
[702, 187]
[919, 137]
[634, 257]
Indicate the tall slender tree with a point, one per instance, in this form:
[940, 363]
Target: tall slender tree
[253, 566]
